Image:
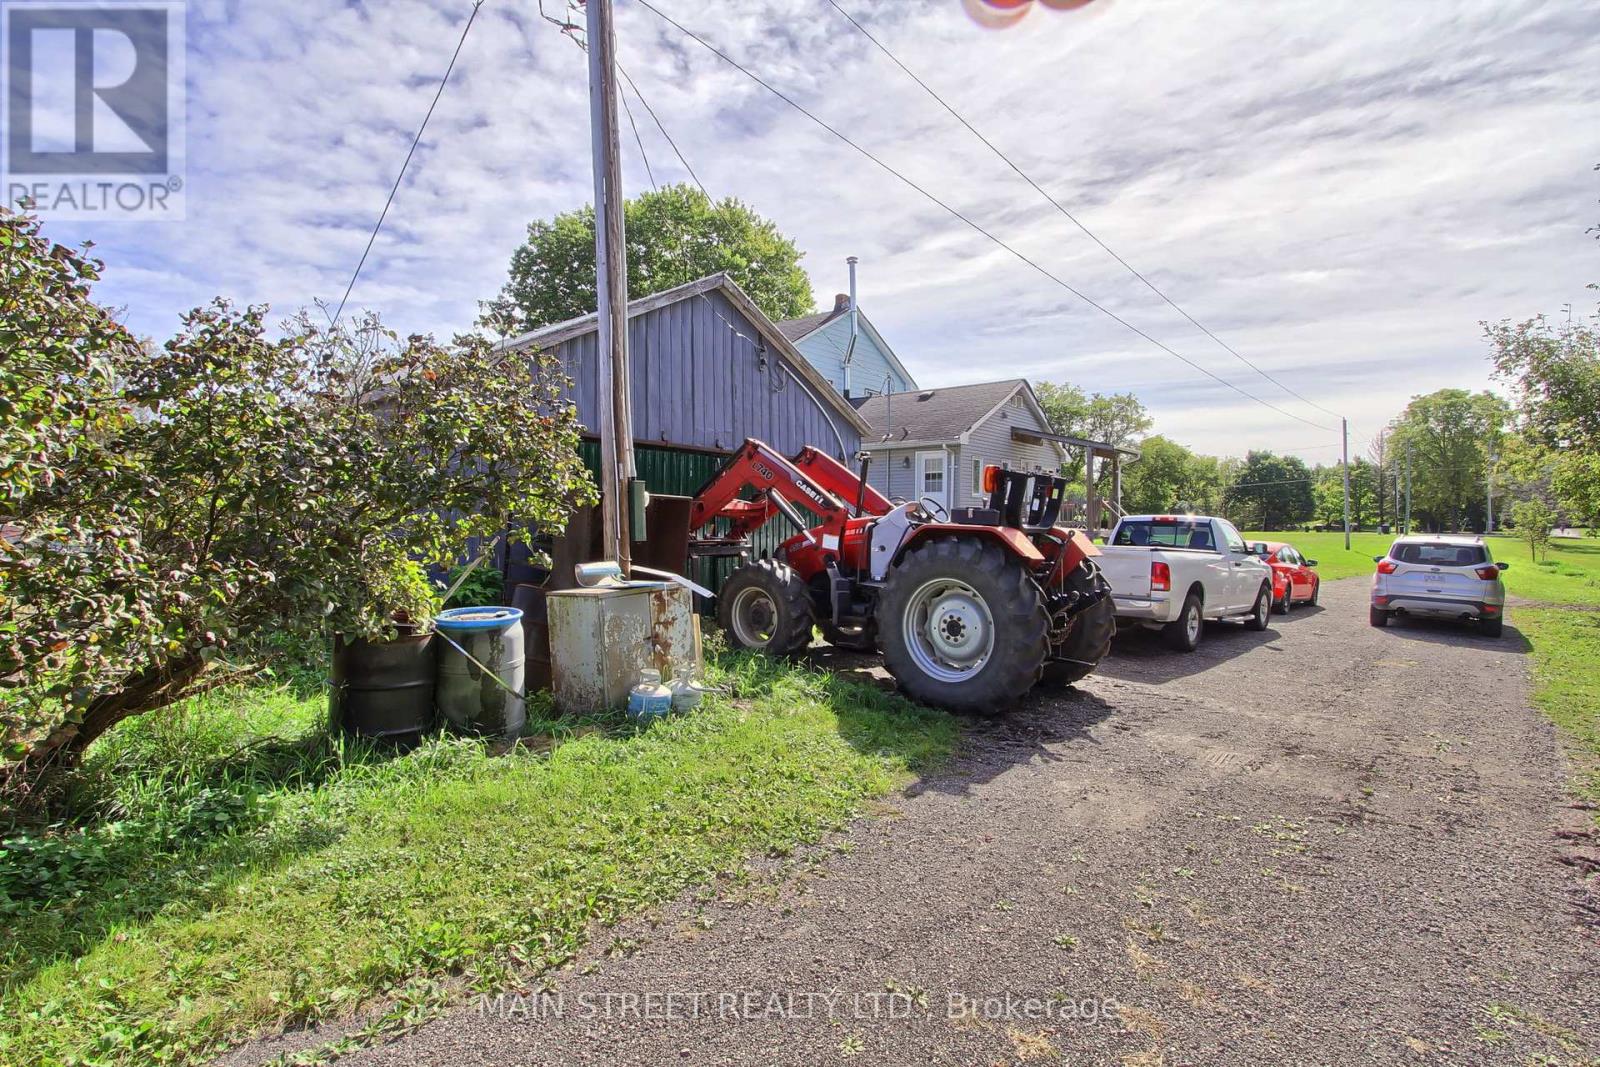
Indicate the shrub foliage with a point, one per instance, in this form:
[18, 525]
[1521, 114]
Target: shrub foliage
[161, 502]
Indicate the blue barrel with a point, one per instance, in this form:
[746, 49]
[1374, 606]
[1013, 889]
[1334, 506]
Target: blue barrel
[483, 697]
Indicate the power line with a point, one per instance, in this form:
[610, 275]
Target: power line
[1297, 481]
[756, 343]
[413, 151]
[648, 173]
[968, 221]
[571, 30]
[1069, 215]
[652, 113]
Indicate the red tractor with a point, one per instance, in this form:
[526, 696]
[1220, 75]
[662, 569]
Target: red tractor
[970, 610]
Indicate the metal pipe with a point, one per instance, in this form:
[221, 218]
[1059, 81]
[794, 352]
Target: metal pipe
[850, 350]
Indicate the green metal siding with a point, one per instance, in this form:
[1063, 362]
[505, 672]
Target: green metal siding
[677, 472]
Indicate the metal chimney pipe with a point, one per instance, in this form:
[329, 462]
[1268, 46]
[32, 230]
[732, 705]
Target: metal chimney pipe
[849, 353]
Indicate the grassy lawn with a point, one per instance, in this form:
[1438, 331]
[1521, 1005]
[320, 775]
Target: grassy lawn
[1566, 646]
[245, 871]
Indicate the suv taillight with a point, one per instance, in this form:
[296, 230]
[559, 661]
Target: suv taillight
[1160, 577]
[1489, 573]
[1386, 566]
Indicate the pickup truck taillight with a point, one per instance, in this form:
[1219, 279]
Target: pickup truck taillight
[1160, 577]
[1489, 573]
[1386, 566]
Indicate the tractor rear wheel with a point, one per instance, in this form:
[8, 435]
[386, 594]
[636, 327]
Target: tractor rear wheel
[1089, 640]
[963, 625]
[764, 606]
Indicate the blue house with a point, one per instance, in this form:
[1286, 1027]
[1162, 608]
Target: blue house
[847, 350]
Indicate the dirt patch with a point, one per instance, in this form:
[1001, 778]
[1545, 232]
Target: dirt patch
[1324, 843]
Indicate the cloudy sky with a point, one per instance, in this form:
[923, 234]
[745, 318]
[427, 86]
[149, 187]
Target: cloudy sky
[1340, 190]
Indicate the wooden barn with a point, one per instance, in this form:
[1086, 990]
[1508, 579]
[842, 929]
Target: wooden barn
[708, 370]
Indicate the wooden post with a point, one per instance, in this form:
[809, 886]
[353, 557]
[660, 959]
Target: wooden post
[1344, 425]
[1116, 480]
[615, 407]
[1090, 501]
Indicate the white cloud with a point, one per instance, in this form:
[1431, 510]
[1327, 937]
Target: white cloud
[1339, 194]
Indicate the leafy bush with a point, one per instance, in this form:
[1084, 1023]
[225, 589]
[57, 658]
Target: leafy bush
[170, 501]
[483, 586]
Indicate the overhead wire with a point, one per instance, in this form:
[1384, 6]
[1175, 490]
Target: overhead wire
[648, 173]
[714, 50]
[652, 113]
[1130, 268]
[444, 81]
[759, 344]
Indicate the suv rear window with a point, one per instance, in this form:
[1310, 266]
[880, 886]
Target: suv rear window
[1170, 533]
[1440, 555]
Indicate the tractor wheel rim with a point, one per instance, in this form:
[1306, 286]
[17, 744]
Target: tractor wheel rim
[755, 618]
[1192, 624]
[949, 630]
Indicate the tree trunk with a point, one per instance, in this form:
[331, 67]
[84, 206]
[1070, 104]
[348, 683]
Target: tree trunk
[152, 689]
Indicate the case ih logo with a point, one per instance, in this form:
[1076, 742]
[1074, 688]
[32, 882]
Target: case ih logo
[94, 109]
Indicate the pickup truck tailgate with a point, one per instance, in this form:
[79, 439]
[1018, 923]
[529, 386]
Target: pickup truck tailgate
[1127, 569]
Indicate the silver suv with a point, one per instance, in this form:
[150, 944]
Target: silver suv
[1443, 577]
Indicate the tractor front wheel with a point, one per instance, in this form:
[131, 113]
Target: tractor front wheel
[764, 606]
[963, 625]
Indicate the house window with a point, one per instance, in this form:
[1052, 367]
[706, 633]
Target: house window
[977, 478]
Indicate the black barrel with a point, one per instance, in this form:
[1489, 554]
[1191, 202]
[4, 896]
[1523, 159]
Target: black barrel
[384, 688]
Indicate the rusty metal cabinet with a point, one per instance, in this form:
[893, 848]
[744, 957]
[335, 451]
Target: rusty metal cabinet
[601, 637]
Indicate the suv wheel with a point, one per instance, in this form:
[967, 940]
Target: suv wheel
[1492, 627]
[1378, 617]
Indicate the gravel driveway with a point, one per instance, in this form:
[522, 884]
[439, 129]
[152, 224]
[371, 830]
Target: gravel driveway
[1323, 844]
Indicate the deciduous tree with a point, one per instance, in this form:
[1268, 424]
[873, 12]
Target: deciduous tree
[675, 235]
[1450, 435]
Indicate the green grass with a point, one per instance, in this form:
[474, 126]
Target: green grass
[1568, 574]
[1566, 645]
[239, 870]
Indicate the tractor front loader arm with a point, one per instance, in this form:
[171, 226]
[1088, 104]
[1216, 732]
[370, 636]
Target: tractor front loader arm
[760, 468]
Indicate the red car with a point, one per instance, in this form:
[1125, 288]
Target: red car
[1294, 578]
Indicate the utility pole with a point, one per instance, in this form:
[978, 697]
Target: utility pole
[615, 406]
[1344, 425]
[1488, 521]
[1407, 528]
[1397, 527]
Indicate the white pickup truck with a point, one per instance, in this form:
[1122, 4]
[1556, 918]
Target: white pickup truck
[1170, 572]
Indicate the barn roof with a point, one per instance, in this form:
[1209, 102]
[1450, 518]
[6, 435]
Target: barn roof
[556, 333]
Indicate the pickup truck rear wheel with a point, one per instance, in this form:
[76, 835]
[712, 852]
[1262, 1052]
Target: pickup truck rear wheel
[1183, 633]
[963, 625]
[1257, 619]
